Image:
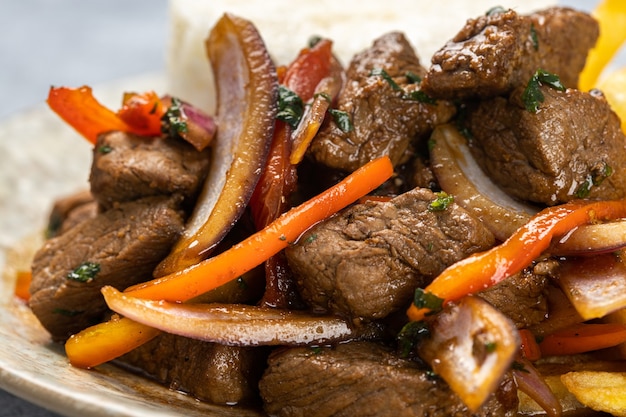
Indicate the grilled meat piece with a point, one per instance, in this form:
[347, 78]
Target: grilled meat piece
[367, 261]
[385, 118]
[365, 379]
[497, 52]
[124, 244]
[572, 147]
[127, 167]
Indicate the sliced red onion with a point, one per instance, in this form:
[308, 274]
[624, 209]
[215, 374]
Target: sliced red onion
[231, 324]
[200, 127]
[596, 286]
[471, 347]
[530, 382]
[459, 175]
[592, 239]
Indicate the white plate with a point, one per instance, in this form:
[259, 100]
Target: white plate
[41, 158]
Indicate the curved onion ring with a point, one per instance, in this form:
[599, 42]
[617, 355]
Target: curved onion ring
[459, 175]
[231, 324]
[472, 345]
[592, 239]
[531, 383]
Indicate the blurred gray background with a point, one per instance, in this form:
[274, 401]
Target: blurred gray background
[76, 42]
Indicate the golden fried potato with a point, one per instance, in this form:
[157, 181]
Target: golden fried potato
[599, 390]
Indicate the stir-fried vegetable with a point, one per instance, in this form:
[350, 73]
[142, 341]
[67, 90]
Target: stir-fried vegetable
[22, 284]
[247, 87]
[84, 349]
[231, 324]
[611, 15]
[471, 347]
[79, 108]
[583, 338]
[483, 270]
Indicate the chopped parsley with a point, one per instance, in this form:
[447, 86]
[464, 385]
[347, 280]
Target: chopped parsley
[495, 10]
[410, 336]
[342, 119]
[290, 106]
[490, 347]
[84, 272]
[534, 38]
[105, 149]
[423, 299]
[174, 121]
[592, 180]
[442, 201]
[418, 95]
[532, 95]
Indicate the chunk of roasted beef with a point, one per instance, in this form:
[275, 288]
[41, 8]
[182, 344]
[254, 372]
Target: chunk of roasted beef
[119, 247]
[208, 371]
[365, 379]
[385, 118]
[497, 52]
[69, 211]
[529, 289]
[367, 261]
[127, 167]
[572, 147]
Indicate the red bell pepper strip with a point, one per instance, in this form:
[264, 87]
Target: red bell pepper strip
[141, 114]
[483, 270]
[279, 178]
[583, 338]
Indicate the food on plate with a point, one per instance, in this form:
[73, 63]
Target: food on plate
[384, 236]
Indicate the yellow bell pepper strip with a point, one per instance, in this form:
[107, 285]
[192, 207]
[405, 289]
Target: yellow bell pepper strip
[79, 108]
[611, 15]
[583, 337]
[483, 270]
[108, 340]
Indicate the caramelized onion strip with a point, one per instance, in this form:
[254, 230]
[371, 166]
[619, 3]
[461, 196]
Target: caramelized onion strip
[231, 324]
[459, 175]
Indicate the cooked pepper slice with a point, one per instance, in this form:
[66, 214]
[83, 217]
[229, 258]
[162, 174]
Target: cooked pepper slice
[485, 269]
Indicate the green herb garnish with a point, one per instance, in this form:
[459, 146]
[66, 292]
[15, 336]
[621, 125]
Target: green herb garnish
[532, 95]
[428, 300]
[290, 107]
[342, 119]
[442, 201]
[84, 272]
[174, 121]
[533, 37]
[410, 336]
[105, 149]
[495, 10]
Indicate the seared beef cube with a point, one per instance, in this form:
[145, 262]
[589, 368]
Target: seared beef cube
[119, 247]
[126, 167]
[572, 147]
[385, 120]
[68, 211]
[497, 52]
[365, 379]
[208, 371]
[528, 290]
[368, 260]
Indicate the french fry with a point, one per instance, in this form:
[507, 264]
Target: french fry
[599, 390]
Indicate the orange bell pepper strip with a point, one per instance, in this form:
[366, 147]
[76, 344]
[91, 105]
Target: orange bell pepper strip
[483, 270]
[22, 284]
[90, 347]
[583, 338]
[611, 16]
[80, 109]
